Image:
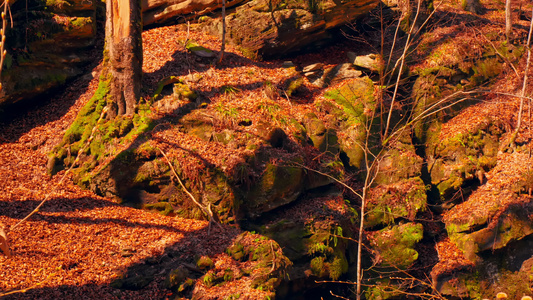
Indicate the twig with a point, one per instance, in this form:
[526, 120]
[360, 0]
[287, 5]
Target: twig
[206, 210]
[524, 84]
[402, 62]
[501, 55]
[29, 288]
[273, 257]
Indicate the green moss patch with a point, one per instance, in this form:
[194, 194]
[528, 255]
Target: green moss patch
[396, 245]
[403, 199]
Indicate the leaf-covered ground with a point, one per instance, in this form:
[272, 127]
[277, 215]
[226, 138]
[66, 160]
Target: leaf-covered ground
[78, 243]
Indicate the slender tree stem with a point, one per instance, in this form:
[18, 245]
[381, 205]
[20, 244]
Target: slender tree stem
[402, 62]
[524, 85]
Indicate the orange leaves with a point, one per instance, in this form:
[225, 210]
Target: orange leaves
[4, 244]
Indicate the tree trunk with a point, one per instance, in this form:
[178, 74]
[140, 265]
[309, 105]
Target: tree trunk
[124, 54]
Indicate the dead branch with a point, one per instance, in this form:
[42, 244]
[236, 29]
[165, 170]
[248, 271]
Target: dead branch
[524, 84]
[206, 210]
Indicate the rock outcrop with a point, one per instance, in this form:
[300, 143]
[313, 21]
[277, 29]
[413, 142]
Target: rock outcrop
[46, 47]
[263, 29]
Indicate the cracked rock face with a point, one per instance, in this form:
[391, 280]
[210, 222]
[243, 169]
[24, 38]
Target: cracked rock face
[262, 29]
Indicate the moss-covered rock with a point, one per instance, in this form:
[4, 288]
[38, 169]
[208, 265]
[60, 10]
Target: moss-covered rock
[452, 67]
[505, 272]
[463, 157]
[358, 104]
[262, 28]
[163, 208]
[493, 229]
[403, 199]
[315, 245]
[396, 245]
[267, 265]
[277, 186]
[399, 161]
[323, 139]
[204, 262]
[51, 48]
[177, 277]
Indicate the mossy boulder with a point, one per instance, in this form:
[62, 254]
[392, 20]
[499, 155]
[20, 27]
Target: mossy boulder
[163, 208]
[327, 250]
[450, 68]
[204, 262]
[396, 245]
[504, 270]
[177, 277]
[463, 157]
[399, 161]
[400, 200]
[316, 242]
[266, 265]
[489, 228]
[46, 47]
[278, 185]
[322, 138]
[318, 246]
[355, 106]
[261, 28]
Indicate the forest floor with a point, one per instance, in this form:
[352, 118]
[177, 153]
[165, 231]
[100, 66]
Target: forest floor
[78, 242]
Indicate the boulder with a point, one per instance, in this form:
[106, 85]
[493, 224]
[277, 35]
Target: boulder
[262, 29]
[497, 213]
[356, 97]
[387, 203]
[325, 77]
[371, 62]
[46, 47]
[279, 185]
[396, 245]
[323, 139]
[462, 158]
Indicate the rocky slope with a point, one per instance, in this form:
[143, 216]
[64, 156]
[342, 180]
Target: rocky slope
[274, 147]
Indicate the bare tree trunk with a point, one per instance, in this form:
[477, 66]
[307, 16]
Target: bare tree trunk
[508, 22]
[124, 54]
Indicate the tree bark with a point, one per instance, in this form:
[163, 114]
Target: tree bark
[124, 54]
